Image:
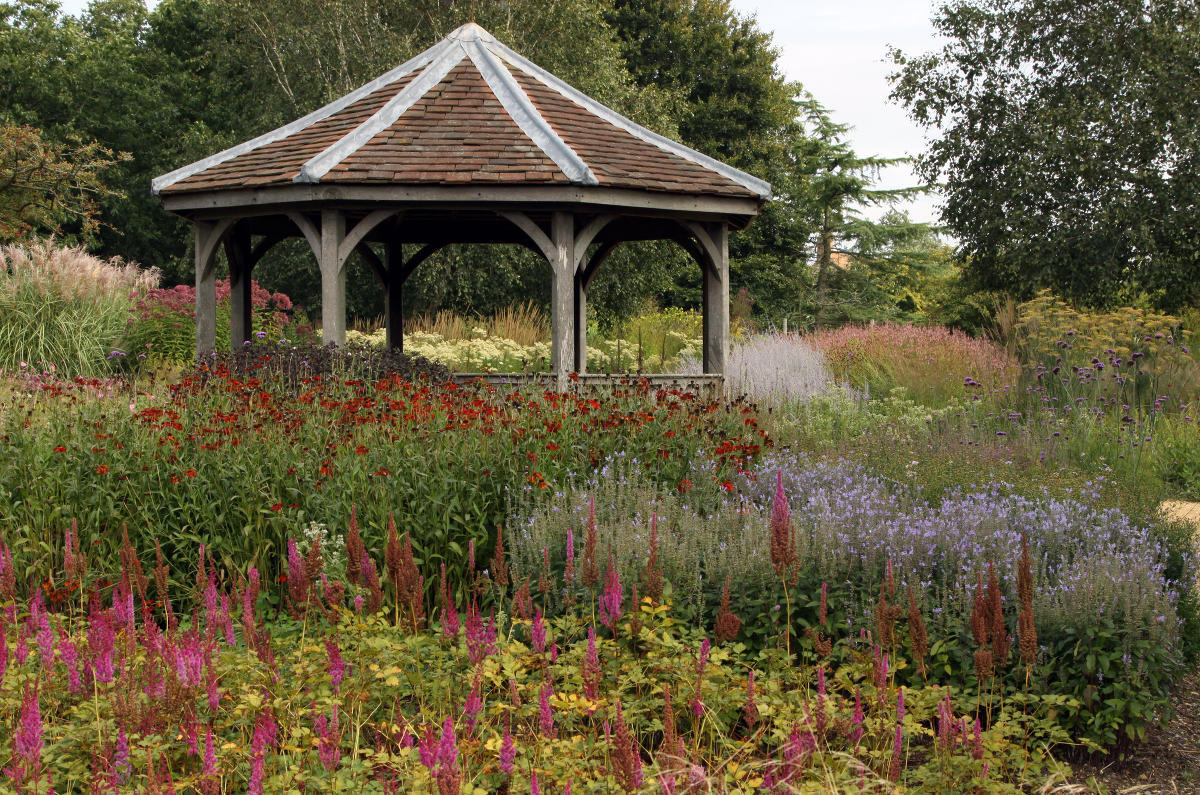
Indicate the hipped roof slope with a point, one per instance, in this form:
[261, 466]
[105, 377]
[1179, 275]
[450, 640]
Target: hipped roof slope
[467, 111]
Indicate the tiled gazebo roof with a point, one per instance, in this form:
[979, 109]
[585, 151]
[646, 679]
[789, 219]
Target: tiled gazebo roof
[468, 111]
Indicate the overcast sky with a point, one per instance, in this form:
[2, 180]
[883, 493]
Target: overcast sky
[838, 51]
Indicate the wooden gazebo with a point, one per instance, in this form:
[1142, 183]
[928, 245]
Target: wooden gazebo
[468, 142]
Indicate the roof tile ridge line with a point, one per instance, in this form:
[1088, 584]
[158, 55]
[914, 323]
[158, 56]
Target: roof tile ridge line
[749, 181]
[450, 54]
[522, 111]
[320, 114]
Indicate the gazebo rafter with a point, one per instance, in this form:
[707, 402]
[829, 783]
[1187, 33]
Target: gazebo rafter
[469, 142]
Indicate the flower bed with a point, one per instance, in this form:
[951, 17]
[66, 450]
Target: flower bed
[1110, 599]
[235, 459]
[111, 689]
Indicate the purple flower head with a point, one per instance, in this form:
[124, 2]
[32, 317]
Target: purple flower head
[508, 753]
[337, 666]
[545, 716]
[613, 596]
[537, 633]
[473, 705]
[121, 756]
[856, 722]
[210, 755]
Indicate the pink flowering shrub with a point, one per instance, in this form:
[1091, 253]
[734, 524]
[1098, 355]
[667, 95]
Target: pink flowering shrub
[162, 325]
[934, 364]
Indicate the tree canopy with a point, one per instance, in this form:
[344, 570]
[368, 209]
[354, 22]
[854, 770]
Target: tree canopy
[1067, 139]
[170, 85]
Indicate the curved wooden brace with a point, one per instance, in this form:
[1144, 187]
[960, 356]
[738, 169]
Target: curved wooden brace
[266, 244]
[592, 264]
[588, 234]
[211, 238]
[707, 246]
[373, 261]
[310, 231]
[540, 239]
[423, 254]
[693, 248]
[360, 231]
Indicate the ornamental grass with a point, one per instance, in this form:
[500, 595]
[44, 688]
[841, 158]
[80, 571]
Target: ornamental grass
[934, 365]
[65, 308]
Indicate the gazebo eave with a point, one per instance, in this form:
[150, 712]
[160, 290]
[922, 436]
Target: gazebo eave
[248, 202]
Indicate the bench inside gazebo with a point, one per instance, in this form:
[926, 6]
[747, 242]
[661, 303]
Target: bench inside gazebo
[468, 142]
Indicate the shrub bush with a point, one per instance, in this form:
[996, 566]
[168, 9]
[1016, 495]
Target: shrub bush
[162, 328]
[64, 308]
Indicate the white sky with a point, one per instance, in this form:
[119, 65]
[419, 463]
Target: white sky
[838, 52]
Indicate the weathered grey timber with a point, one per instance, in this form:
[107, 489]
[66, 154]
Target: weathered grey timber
[243, 201]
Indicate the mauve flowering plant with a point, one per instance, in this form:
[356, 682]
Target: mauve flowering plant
[1095, 572]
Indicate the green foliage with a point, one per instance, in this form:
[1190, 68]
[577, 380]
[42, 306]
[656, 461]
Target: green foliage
[1066, 138]
[1177, 457]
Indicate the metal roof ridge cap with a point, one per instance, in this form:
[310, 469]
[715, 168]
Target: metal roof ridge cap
[450, 53]
[759, 186]
[471, 32]
[525, 115]
[325, 111]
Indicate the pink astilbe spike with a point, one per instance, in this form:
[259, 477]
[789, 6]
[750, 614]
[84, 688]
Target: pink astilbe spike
[446, 772]
[537, 633]
[856, 722]
[591, 668]
[545, 715]
[337, 666]
[569, 569]
[611, 599]
[27, 742]
[329, 740]
[210, 782]
[474, 702]
[265, 733]
[121, 762]
[781, 530]
[508, 753]
[297, 578]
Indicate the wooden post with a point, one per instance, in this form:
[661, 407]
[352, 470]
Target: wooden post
[580, 322]
[237, 249]
[562, 296]
[393, 301]
[333, 278]
[716, 299]
[208, 236]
